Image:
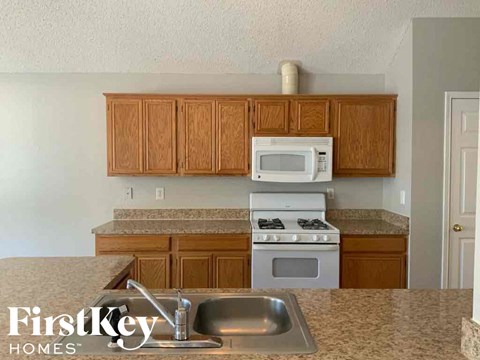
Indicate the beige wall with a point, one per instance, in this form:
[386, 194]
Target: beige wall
[446, 54]
[53, 156]
[398, 80]
[476, 276]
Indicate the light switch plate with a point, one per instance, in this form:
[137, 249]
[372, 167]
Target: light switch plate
[128, 193]
[402, 197]
[160, 193]
[330, 193]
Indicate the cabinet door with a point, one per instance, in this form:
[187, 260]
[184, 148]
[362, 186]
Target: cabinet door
[374, 271]
[125, 136]
[311, 117]
[364, 137]
[194, 271]
[231, 270]
[153, 271]
[199, 150]
[271, 117]
[160, 136]
[232, 137]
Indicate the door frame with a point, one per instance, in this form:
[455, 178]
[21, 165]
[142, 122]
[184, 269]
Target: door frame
[447, 148]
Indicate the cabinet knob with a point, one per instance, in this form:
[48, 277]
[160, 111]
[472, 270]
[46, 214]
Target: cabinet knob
[457, 228]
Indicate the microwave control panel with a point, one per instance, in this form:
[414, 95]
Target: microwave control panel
[322, 162]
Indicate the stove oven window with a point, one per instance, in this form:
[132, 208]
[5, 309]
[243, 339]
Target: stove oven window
[295, 268]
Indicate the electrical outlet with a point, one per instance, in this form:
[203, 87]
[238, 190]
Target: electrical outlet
[330, 193]
[128, 193]
[402, 197]
[160, 193]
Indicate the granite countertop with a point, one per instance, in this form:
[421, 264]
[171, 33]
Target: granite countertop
[235, 221]
[346, 324]
[167, 227]
[56, 285]
[367, 227]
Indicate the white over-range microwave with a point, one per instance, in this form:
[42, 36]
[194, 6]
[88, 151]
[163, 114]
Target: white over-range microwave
[292, 159]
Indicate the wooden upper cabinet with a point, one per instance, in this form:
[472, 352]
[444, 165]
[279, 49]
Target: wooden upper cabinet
[364, 132]
[124, 136]
[160, 136]
[199, 136]
[233, 141]
[310, 117]
[271, 117]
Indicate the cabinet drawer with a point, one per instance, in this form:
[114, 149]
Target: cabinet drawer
[132, 244]
[213, 242]
[374, 244]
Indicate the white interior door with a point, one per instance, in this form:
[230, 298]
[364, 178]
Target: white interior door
[463, 184]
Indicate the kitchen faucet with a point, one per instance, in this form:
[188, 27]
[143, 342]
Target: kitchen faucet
[179, 321]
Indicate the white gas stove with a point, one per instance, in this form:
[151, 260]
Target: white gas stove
[293, 245]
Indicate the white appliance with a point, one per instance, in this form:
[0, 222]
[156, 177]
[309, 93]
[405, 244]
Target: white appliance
[292, 159]
[292, 244]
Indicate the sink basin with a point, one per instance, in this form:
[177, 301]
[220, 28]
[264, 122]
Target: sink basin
[246, 323]
[240, 316]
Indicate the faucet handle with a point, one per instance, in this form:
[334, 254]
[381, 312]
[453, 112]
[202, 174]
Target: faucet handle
[179, 298]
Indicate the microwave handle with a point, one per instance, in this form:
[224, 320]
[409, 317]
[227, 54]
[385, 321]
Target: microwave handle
[314, 162]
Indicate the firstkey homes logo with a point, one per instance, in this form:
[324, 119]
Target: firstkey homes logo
[26, 320]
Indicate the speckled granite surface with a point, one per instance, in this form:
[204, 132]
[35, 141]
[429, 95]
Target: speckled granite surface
[346, 324]
[172, 214]
[368, 227]
[235, 221]
[57, 285]
[145, 227]
[470, 339]
[368, 222]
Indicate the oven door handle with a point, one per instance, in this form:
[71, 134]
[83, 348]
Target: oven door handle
[314, 163]
[297, 247]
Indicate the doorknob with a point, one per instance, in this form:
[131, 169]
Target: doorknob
[457, 227]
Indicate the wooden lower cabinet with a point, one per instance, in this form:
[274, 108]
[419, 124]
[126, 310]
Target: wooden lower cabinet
[153, 271]
[217, 270]
[231, 271]
[194, 271]
[186, 261]
[374, 262]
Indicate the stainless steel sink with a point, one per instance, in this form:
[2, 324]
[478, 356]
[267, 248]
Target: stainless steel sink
[268, 323]
[234, 316]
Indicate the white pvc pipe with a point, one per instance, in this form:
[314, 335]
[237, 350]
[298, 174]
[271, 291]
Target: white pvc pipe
[289, 78]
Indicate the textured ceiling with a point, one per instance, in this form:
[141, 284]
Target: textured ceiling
[209, 36]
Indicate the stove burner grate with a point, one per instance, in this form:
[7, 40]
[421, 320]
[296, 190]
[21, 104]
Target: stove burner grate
[312, 224]
[266, 224]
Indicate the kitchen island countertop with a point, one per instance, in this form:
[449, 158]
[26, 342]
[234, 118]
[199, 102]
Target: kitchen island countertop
[346, 324]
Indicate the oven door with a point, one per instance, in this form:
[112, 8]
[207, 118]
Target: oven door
[284, 164]
[295, 266]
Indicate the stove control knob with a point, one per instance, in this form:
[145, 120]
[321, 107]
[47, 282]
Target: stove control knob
[296, 238]
[276, 237]
[265, 237]
[315, 238]
[325, 237]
